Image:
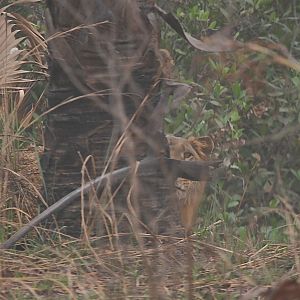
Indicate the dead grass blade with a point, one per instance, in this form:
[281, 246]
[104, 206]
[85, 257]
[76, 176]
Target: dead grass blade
[10, 64]
[37, 42]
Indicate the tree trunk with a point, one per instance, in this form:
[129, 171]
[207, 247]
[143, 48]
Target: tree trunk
[104, 84]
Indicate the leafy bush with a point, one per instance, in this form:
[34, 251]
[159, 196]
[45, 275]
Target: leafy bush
[249, 104]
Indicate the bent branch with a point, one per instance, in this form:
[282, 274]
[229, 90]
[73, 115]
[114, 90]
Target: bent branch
[191, 170]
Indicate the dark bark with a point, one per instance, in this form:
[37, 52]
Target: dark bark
[107, 61]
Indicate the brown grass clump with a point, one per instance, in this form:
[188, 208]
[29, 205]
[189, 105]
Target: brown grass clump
[74, 269]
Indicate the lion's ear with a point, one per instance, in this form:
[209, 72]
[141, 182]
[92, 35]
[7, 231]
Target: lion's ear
[170, 139]
[202, 145]
[173, 140]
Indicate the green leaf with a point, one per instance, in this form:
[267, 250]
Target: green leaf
[179, 51]
[236, 90]
[296, 81]
[274, 203]
[215, 103]
[234, 116]
[212, 25]
[234, 201]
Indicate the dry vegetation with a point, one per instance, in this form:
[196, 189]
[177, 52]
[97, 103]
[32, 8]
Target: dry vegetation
[246, 246]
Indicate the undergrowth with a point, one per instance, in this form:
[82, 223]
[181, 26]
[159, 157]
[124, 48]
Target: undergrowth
[248, 234]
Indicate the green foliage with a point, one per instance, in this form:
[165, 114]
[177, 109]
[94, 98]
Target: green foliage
[244, 98]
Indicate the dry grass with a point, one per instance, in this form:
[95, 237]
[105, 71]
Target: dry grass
[48, 265]
[60, 267]
[71, 269]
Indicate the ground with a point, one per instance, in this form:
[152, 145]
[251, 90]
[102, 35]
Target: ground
[68, 268]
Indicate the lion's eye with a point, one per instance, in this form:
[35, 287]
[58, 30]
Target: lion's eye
[187, 155]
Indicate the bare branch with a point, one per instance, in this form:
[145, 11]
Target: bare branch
[191, 170]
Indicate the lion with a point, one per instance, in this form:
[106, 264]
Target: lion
[189, 193]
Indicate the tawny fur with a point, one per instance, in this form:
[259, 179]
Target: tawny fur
[189, 193]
